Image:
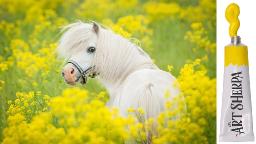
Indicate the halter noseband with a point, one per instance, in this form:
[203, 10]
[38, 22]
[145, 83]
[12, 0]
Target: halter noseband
[82, 72]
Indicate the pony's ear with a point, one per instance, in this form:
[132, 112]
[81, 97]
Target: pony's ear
[95, 27]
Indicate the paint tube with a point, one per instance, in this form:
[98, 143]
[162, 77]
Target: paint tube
[236, 114]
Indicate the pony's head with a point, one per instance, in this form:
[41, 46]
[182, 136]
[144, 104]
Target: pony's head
[78, 45]
[92, 50]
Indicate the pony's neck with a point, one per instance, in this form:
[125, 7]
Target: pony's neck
[117, 57]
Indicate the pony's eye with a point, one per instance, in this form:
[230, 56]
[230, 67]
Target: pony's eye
[91, 49]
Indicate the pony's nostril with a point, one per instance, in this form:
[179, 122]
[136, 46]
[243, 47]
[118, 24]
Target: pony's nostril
[72, 71]
[62, 73]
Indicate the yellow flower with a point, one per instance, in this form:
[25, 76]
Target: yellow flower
[131, 110]
[198, 36]
[140, 111]
[132, 27]
[170, 68]
[1, 84]
[103, 8]
[159, 10]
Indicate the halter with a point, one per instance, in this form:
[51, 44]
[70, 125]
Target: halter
[83, 73]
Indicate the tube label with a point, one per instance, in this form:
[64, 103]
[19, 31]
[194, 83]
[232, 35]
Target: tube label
[236, 119]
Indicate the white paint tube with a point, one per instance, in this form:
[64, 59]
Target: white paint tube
[236, 123]
[236, 113]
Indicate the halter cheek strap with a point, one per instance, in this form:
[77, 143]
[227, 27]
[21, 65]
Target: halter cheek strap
[81, 71]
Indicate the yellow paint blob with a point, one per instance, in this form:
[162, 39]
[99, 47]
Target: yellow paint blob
[232, 13]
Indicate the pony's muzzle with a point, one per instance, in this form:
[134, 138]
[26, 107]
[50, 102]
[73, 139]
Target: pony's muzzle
[69, 74]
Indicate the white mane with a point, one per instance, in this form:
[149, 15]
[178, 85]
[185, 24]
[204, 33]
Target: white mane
[115, 57]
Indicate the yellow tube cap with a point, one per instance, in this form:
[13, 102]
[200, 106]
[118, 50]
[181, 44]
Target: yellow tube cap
[232, 13]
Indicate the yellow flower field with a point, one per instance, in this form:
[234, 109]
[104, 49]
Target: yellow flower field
[36, 106]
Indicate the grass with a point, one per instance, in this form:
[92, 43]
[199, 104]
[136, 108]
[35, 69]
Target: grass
[169, 46]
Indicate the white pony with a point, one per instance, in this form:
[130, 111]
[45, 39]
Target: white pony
[128, 73]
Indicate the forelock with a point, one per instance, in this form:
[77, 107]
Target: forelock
[72, 36]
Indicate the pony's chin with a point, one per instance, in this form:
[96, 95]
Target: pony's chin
[71, 83]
